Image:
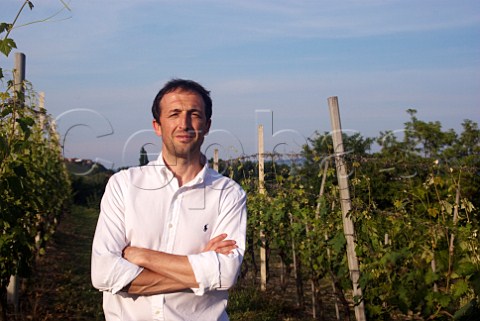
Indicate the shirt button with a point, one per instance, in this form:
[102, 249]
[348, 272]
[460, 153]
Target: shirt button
[170, 225]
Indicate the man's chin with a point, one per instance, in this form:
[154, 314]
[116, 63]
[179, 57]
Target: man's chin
[187, 153]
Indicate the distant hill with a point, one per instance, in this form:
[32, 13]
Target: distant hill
[88, 181]
[81, 166]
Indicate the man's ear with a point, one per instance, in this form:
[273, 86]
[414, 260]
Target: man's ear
[157, 127]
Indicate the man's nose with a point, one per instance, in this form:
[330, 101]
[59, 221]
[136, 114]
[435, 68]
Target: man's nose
[185, 121]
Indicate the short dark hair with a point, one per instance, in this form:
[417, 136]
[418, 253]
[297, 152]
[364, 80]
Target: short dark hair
[186, 85]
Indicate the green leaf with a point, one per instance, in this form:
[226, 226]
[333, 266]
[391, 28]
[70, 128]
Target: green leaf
[431, 277]
[447, 207]
[4, 27]
[444, 300]
[25, 123]
[466, 267]
[6, 46]
[432, 211]
[460, 288]
[338, 243]
[6, 111]
[19, 145]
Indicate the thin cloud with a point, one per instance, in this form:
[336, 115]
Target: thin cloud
[347, 19]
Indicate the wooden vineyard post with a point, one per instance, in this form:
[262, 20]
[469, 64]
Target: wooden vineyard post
[215, 159]
[346, 205]
[19, 73]
[451, 248]
[261, 161]
[18, 87]
[41, 108]
[261, 190]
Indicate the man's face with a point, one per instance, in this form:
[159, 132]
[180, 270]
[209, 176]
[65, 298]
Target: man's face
[183, 124]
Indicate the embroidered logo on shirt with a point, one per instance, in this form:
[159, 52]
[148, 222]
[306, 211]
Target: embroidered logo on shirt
[205, 227]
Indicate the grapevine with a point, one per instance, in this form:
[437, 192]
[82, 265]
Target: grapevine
[34, 184]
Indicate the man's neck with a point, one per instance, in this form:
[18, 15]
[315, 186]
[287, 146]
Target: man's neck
[184, 169]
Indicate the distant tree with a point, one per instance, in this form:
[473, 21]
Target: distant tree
[427, 137]
[464, 155]
[143, 157]
[320, 150]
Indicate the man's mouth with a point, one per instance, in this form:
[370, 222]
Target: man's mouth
[185, 137]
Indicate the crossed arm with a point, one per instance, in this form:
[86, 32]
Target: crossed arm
[166, 273]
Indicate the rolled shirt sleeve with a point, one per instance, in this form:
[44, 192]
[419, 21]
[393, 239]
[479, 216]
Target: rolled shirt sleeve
[215, 271]
[112, 273]
[206, 268]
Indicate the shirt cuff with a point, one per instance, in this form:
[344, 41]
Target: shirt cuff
[206, 268]
[126, 277]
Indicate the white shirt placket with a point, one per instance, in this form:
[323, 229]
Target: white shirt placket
[168, 246]
[158, 304]
[168, 243]
[173, 220]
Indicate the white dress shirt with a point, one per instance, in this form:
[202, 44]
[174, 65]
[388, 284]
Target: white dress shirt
[145, 207]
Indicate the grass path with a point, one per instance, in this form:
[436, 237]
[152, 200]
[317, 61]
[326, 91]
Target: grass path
[60, 288]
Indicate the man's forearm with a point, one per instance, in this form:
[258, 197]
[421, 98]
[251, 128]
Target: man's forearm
[148, 282]
[163, 272]
[175, 267]
[171, 266]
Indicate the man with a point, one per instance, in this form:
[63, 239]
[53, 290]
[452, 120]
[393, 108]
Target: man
[170, 237]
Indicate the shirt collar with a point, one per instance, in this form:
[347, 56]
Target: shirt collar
[163, 169]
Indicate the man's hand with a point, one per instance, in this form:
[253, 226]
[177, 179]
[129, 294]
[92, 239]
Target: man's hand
[220, 245]
[135, 255]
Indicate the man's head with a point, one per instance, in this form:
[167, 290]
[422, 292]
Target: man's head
[182, 110]
[183, 85]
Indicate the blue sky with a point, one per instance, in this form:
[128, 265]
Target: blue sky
[271, 62]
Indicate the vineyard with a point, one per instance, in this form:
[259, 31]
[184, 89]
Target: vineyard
[414, 205]
[34, 183]
[413, 252]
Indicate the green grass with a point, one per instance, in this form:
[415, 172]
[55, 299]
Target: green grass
[248, 303]
[76, 296]
[60, 287]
